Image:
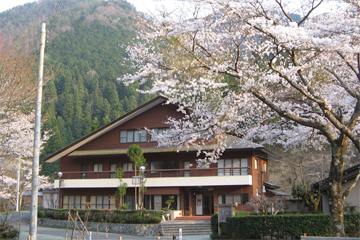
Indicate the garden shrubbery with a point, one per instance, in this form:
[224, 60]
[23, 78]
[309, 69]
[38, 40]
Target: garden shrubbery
[281, 226]
[109, 216]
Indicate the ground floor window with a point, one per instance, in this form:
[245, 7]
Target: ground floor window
[102, 202]
[74, 201]
[240, 198]
[130, 201]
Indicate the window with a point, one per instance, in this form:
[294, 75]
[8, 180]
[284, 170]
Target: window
[233, 163]
[130, 136]
[84, 169]
[130, 200]
[187, 166]
[74, 201]
[256, 164]
[113, 169]
[240, 198]
[127, 166]
[164, 165]
[98, 167]
[159, 131]
[102, 202]
[264, 167]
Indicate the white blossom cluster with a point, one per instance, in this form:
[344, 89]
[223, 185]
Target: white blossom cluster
[17, 140]
[256, 70]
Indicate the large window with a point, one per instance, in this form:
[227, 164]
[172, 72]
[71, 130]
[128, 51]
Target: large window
[130, 136]
[233, 163]
[159, 131]
[240, 198]
[164, 165]
[74, 201]
[102, 202]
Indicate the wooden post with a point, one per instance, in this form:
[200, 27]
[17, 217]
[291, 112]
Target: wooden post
[219, 229]
[120, 238]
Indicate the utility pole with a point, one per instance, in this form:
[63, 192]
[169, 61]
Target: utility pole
[35, 167]
[17, 187]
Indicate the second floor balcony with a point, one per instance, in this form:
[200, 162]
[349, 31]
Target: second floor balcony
[160, 178]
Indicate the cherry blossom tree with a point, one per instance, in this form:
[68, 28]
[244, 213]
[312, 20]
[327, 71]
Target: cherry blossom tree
[17, 140]
[274, 71]
[17, 96]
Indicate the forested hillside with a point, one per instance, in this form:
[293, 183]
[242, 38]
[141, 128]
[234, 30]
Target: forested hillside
[86, 45]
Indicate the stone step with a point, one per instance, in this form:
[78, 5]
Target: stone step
[170, 229]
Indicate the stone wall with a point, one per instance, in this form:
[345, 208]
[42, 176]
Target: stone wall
[134, 229]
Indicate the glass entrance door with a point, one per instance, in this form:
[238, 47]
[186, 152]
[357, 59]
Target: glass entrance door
[208, 206]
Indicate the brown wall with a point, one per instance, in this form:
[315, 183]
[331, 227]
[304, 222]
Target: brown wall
[153, 118]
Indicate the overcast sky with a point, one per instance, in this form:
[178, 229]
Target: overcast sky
[153, 5]
[141, 5]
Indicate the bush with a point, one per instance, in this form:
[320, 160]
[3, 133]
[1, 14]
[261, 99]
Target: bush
[281, 226]
[109, 216]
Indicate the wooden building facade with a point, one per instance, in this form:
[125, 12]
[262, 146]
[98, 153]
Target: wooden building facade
[88, 166]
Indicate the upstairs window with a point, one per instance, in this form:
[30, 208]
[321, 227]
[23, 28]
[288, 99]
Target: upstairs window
[264, 167]
[98, 167]
[127, 166]
[159, 131]
[131, 136]
[113, 169]
[232, 163]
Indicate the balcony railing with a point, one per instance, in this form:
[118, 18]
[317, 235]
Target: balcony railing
[156, 173]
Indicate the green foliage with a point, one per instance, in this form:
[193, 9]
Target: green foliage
[242, 214]
[95, 125]
[135, 153]
[168, 203]
[109, 216]
[281, 226]
[7, 231]
[85, 43]
[121, 191]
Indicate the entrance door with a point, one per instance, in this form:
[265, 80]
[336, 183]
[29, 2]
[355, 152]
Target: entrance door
[208, 203]
[199, 204]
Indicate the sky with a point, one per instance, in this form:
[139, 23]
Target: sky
[140, 5]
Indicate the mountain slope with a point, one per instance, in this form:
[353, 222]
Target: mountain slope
[85, 40]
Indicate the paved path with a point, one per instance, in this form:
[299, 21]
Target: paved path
[47, 233]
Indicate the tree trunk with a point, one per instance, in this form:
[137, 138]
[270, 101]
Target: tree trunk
[335, 189]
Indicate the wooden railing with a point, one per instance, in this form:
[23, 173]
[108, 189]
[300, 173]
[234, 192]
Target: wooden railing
[155, 173]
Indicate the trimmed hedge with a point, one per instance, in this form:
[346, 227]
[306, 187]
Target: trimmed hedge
[109, 216]
[282, 226]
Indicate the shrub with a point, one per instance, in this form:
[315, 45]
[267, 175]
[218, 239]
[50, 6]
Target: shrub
[281, 226]
[109, 216]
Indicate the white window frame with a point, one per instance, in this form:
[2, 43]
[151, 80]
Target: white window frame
[133, 136]
[236, 162]
[98, 167]
[128, 166]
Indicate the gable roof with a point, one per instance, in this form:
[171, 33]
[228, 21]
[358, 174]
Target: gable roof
[71, 150]
[348, 174]
[54, 158]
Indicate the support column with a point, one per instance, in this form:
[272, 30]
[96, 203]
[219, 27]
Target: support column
[191, 193]
[182, 201]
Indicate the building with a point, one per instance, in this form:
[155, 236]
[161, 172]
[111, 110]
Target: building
[88, 166]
